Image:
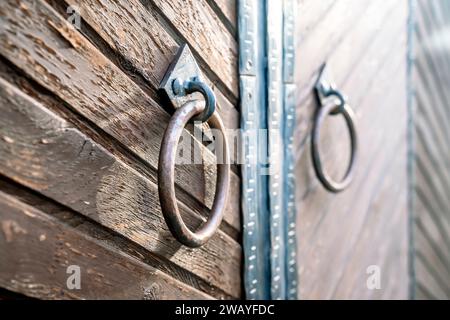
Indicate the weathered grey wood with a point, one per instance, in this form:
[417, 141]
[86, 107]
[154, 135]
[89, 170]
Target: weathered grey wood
[135, 33]
[199, 25]
[429, 30]
[433, 202]
[43, 152]
[334, 27]
[432, 122]
[54, 54]
[359, 97]
[432, 154]
[332, 233]
[37, 249]
[431, 234]
[365, 46]
[427, 280]
[428, 81]
[430, 258]
[312, 15]
[380, 228]
[356, 86]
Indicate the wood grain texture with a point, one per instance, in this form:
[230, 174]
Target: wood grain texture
[52, 52]
[432, 152]
[37, 249]
[43, 152]
[199, 25]
[340, 235]
[229, 10]
[136, 34]
[340, 52]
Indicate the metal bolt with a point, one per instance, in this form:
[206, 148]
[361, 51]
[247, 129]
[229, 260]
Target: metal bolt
[177, 87]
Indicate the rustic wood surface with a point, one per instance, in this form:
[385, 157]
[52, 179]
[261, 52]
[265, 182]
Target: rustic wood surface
[37, 249]
[340, 235]
[148, 51]
[143, 52]
[43, 152]
[229, 10]
[432, 152]
[196, 22]
[56, 56]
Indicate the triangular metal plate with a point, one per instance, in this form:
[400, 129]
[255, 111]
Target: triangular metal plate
[183, 67]
[323, 84]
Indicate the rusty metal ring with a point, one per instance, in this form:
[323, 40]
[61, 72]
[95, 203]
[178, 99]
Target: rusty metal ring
[166, 178]
[349, 116]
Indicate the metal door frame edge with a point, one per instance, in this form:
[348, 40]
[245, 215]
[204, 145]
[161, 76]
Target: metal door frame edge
[267, 89]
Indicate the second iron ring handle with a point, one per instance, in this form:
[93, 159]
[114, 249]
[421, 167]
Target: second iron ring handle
[331, 107]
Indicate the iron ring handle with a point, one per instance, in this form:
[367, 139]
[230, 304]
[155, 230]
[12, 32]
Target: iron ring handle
[195, 85]
[166, 178]
[349, 116]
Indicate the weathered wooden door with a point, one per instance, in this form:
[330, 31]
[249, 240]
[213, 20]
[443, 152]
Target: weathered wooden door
[332, 84]
[80, 131]
[345, 239]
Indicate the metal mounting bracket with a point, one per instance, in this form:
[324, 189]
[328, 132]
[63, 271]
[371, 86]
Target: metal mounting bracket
[183, 68]
[323, 85]
[184, 77]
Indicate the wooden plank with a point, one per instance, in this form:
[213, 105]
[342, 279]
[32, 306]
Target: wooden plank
[229, 10]
[330, 242]
[426, 82]
[345, 56]
[381, 228]
[43, 152]
[425, 221]
[428, 281]
[428, 68]
[432, 122]
[332, 226]
[422, 292]
[10, 295]
[199, 25]
[311, 16]
[357, 78]
[426, 251]
[372, 63]
[344, 207]
[432, 27]
[51, 52]
[320, 42]
[136, 34]
[432, 181]
[37, 249]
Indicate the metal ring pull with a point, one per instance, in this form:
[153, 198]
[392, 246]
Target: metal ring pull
[182, 78]
[326, 180]
[166, 178]
[327, 105]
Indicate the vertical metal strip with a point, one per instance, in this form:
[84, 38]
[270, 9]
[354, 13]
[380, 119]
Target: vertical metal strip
[290, 214]
[253, 118]
[411, 147]
[276, 146]
[267, 88]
